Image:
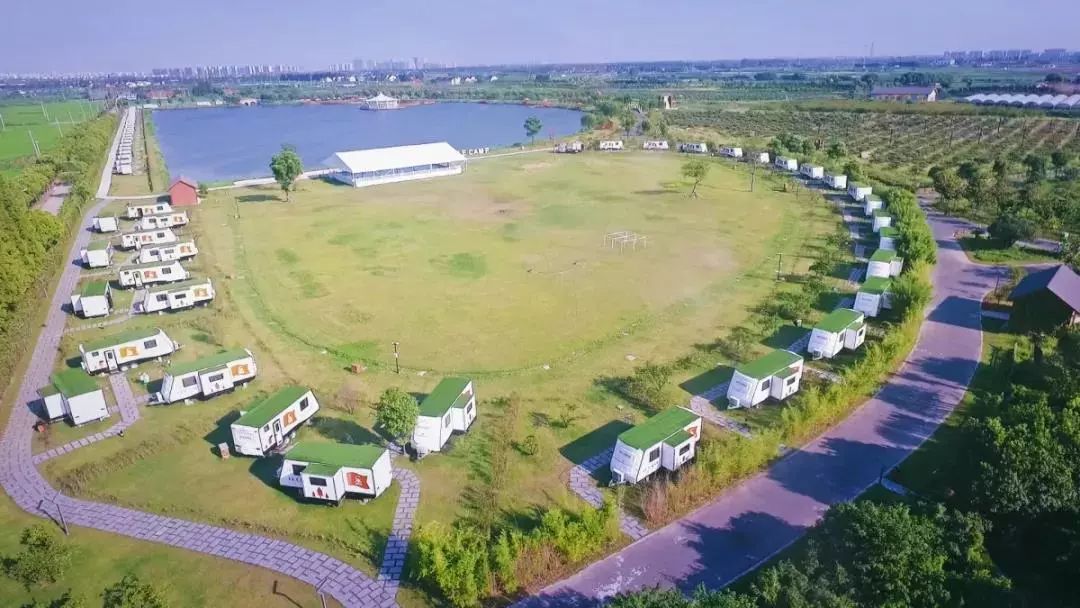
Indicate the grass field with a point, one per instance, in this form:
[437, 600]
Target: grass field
[988, 251]
[20, 120]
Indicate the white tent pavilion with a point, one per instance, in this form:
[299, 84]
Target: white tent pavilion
[397, 164]
[381, 102]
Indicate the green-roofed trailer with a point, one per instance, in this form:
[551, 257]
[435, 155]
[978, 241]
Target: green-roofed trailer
[97, 254]
[871, 203]
[884, 263]
[154, 272]
[269, 423]
[167, 253]
[874, 295]
[173, 296]
[333, 471]
[775, 375]
[858, 191]
[882, 219]
[836, 181]
[840, 329]
[888, 238]
[138, 240]
[450, 407]
[75, 395]
[114, 352]
[667, 440]
[207, 376]
[93, 300]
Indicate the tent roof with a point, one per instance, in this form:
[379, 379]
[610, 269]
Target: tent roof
[839, 320]
[265, 410]
[397, 157]
[209, 362]
[769, 365]
[337, 454]
[658, 428]
[1059, 280]
[443, 397]
[381, 97]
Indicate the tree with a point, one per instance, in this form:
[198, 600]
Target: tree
[836, 150]
[948, 184]
[1036, 167]
[396, 412]
[43, 559]
[204, 190]
[130, 592]
[695, 169]
[532, 127]
[628, 120]
[1060, 159]
[1053, 77]
[853, 171]
[1011, 227]
[286, 167]
[648, 385]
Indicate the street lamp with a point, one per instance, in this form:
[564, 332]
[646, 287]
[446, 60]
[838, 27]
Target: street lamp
[397, 361]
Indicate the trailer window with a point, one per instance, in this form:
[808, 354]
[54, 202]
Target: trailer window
[317, 481]
[166, 270]
[189, 381]
[446, 419]
[163, 298]
[654, 455]
[216, 378]
[792, 380]
[684, 449]
[765, 384]
[468, 408]
[304, 404]
[180, 296]
[150, 344]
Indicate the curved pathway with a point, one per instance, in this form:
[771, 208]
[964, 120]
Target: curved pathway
[22, 481]
[761, 516]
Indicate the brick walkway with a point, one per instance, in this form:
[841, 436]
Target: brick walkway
[583, 483]
[398, 543]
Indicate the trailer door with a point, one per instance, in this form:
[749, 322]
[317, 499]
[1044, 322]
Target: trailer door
[279, 436]
[110, 360]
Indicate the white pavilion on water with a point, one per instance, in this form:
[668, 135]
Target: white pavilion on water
[381, 102]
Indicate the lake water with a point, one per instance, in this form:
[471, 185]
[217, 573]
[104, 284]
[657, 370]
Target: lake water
[214, 144]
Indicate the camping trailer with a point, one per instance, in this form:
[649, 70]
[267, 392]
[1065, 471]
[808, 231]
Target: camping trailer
[332, 471]
[155, 272]
[106, 223]
[137, 240]
[269, 423]
[776, 375]
[75, 395]
[114, 352]
[694, 148]
[882, 219]
[785, 163]
[165, 253]
[761, 157]
[836, 181]
[668, 439]
[97, 254]
[173, 296]
[573, 147]
[135, 211]
[858, 191]
[874, 294]
[207, 376]
[884, 263]
[165, 220]
[840, 329]
[889, 237]
[812, 171]
[93, 300]
[450, 407]
[611, 145]
[655, 144]
[871, 204]
[731, 152]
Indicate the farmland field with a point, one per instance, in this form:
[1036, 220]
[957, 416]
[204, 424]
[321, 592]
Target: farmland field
[20, 120]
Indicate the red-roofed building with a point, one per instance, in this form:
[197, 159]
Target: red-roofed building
[184, 192]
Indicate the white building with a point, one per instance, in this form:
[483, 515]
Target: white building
[858, 191]
[94, 300]
[888, 238]
[840, 329]
[775, 375]
[655, 144]
[173, 296]
[167, 253]
[874, 295]
[731, 152]
[571, 147]
[872, 203]
[761, 157]
[97, 254]
[75, 395]
[884, 263]
[106, 224]
[812, 171]
[380, 102]
[137, 210]
[137, 240]
[785, 163]
[668, 439]
[114, 352]
[882, 219]
[836, 181]
[450, 407]
[154, 272]
[611, 145]
[386, 165]
[207, 376]
[172, 219]
[332, 471]
[269, 423]
[694, 148]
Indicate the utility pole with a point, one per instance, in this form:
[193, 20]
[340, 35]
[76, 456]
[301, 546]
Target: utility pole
[753, 173]
[37, 150]
[779, 262]
[397, 360]
[43, 112]
[3, 127]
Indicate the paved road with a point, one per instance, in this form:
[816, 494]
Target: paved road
[763, 515]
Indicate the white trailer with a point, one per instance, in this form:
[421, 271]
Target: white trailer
[785, 163]
[836, 181]
[165, 220]
[872, 203]
[333, 471]
[840, 329]
[694, 148]
[889, 237]
[882, 219]
[93, 300]
[114, 352]
[137, 210]
[450, 407]
[761, 157]
[75, 395]
[165, 253]
[858, 191]
[668, 439]
[106, 223]
[573, 147]
[655, 144]
[97, 254]
[137, 240]
[776, 375]
[173, 296]
[884, 263]
[874, 295]
[269, 423]
[731, 152]
[611, 145]
[207, 376]
[812, 171]
[156, 272]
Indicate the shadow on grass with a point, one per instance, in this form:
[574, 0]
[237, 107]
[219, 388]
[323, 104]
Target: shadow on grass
[593, 442]
[257, 198]
[222, 432]
[344, 431]
[706, 380]
[785, 336]
[653, 192]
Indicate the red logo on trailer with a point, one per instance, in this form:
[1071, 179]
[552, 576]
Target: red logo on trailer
[359, 480]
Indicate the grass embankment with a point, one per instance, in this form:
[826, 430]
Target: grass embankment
[988, 251]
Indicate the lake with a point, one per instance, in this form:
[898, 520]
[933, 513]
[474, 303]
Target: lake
[217, 144]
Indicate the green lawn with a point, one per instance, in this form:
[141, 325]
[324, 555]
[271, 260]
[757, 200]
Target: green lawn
[22, 119]
[989, 251]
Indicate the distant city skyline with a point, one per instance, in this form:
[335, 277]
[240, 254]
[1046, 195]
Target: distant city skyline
[125, 35]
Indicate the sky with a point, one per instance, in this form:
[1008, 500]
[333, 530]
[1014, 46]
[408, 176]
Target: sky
[125, 35]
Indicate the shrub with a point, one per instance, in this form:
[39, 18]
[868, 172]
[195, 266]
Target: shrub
[455, 561]
[396, 412]
[43, 559]
[1009, 228]
[132, 593]
[648, 385]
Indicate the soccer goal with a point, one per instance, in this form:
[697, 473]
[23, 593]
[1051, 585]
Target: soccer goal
[624, 239]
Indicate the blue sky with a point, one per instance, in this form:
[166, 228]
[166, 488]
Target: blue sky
[76, 35]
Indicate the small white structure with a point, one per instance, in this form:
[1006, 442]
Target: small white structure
[207, 376]
[694, 148]
[840, 329]
[98, 254]
[450, 407]
[611, 145]
[380, 102]
[107, 223]
[882, 219]
[872, 203]
[137, 210]
[874, 295]
[94, 300]
[173, 296]
[668, 439]
[113, 352]
[731, 152]
[884, 263]
[167, 253]
[655, 144]
[269, 423]
[776, 375]
[785, 163]
[888, 238]
[858, 191]
[812, 171]
[761, 157]
[75, 395]
[165, 220]
[137, 240]
[360, 168]
[155, 272]
[572, 147]
[836, 181]
[332, 471]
